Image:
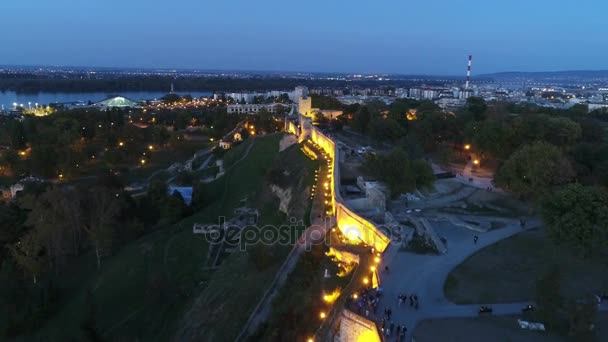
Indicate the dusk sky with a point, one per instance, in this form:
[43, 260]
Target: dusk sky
[401, 36]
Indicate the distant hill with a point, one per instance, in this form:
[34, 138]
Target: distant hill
[567, 75]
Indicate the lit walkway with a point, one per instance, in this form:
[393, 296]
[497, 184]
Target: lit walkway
[425, 275]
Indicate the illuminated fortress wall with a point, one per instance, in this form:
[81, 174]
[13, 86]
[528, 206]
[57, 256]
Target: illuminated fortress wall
[353, 226]
[291, 127]
[354, 328]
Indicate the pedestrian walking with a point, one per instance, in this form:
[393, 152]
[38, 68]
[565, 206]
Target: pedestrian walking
[475, 238]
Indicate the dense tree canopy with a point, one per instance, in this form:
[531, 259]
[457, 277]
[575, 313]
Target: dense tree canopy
[577, 216]
[534, 169]
[400, 173]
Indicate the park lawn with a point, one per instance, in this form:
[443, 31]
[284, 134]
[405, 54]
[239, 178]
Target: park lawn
[507, 271]
[479, 329]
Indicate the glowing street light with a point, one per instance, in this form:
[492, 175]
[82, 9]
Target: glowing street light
[121, 143]
[476, 161]
[322, 315]
[142, 162]
[467, 147]
[150, 147]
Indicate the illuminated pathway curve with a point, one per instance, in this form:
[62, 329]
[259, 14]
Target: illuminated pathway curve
[425, 275]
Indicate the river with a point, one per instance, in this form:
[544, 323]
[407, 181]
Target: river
[9, 98]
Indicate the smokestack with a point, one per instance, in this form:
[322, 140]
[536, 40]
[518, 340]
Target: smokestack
[466, 85]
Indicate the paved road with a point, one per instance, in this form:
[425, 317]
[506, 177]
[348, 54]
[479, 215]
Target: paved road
[425, 276]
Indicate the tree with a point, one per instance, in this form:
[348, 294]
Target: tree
[548, 296]
[385, 129]
[325, 102]
[11, 160]
[398, 111]
[582, 319]
[13, 134]
[174, 208]
[54, 220]
[170, 98]
[159, 135]
[264, 121]
[361, 119]
[398, 172]
[562, 131]
[577, 216]
[284, 98]
[321, 119]
[280, 110]
[423, 173]
[102, 211]
[534, 169]
[29, 255]
[43, 160]
[490, 136]
[476, 106]
[376, 106]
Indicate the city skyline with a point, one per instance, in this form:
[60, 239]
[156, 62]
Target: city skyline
[392, 37]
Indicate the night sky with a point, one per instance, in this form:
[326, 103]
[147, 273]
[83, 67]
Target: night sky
[401, 36]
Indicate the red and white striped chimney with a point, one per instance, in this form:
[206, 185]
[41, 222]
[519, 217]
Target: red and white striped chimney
[466, 86]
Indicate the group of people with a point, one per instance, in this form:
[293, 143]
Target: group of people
[413, 300]
[389, 328]
[366, 302]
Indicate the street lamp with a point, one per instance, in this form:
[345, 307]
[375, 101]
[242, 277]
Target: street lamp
[476, 162]
[467, 147]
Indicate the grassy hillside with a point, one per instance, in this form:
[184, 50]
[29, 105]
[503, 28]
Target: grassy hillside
[144, 290]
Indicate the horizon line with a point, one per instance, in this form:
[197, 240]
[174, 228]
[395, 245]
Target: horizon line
[170, 69]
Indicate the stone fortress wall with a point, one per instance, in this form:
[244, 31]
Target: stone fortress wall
[353, 226]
